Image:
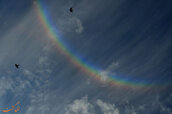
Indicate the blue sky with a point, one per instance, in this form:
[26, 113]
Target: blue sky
[131, 39]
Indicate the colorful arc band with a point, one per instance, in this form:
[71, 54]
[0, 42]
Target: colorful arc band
[77, 61]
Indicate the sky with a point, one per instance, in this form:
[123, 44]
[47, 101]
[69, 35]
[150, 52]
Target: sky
[106, 57]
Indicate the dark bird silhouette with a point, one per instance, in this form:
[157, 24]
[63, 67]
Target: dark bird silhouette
[71, 9]
[17, 65]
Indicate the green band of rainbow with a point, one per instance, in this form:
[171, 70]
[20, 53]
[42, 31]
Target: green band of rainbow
[44, 19]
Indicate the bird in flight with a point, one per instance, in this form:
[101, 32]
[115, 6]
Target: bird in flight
[17, 65]
[71, 9]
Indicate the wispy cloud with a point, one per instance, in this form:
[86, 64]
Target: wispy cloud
[38, 103]
[5, 84]
[79, 27]
[71, 24]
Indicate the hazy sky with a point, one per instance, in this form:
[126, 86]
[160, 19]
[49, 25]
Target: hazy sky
[128, 40]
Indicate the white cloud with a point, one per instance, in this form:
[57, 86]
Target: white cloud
[130, 110]
[44, 63]
[83, 106]
[28, 74]
[80, 106]
[141, 107]
[76, 24]
[134, 112]
[5, 84]
[72, 24]
[38, 103]
[42, 60]
[79, 28]
[107, 108]
[15, 85]
[104, 75]
[109, 70]
[162, 106]
[31, 77]
[113, 66]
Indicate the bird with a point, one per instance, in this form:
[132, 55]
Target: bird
[71, 9]
[17, 65]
